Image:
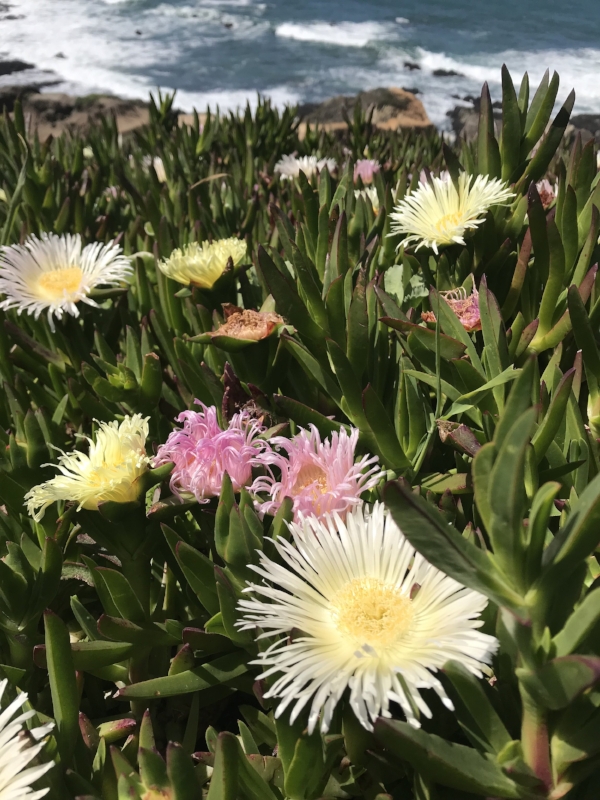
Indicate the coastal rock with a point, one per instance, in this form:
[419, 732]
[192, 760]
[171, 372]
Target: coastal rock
[465, 119]
[14, 65]
[447, 73]
[588, 125]
[52, 113]
[9, 94]
[393, 108]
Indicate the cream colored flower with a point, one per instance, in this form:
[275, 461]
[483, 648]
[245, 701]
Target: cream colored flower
[370, 193]
[203, 264]
[159, 167]
[54, 273]
[437, 214]
[18, 748]
[108, 472]
[290, 166]
[369, 614]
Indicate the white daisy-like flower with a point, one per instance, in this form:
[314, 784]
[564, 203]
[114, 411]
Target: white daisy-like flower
[290, 166]
[18, 748]
[368, 614]
[203, 264]
[437, 214]
[109, 471]
[369, 193]
[54, 273]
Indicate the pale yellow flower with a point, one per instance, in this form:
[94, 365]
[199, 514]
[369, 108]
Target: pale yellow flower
[159, 168]
[203, 264]
[436, 213]
[107, 473]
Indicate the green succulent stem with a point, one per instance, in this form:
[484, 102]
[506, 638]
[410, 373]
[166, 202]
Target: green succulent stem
[137, 572]
[534, 738]
[138, 671]
[21, 652]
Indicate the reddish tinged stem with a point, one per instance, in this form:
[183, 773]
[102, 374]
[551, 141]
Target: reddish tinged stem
[534, 738]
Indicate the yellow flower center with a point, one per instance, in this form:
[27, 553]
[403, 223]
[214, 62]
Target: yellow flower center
[446, 224]
[310, 475]
[53, 285]
[371, 612]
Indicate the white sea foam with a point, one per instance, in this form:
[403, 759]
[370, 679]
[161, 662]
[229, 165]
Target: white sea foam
[236, 3]
[343, 34]
[235, 100]
[223, 51]
[577, 69]
[101, 56]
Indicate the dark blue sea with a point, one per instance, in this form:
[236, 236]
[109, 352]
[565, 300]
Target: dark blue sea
[224, 51]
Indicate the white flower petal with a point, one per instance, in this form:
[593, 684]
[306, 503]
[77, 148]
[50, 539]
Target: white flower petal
[348, 587]
[436, 213]
[290, 166]
[17, 752]
[54, 273]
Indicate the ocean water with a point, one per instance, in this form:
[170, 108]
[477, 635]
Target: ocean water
[221, 52]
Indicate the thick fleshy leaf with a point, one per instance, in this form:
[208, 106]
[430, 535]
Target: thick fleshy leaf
[444, 547]
[449, 764]
[561, 680]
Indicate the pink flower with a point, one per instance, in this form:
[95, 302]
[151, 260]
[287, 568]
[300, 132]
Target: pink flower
[320, 477]
[366, 169]
[202, 452]
[466, 308]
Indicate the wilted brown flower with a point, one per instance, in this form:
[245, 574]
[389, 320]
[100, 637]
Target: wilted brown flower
[547, 192]
[466, 308]
[247, 324]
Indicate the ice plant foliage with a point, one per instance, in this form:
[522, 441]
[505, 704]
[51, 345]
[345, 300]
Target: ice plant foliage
[437, 213]
[320, 477]
[52, 274]
[202, 452]
[18, 748]
[366, 169]
[108, 472]
[203, 264]
[290, 166]
[466, 308]
[372, 615]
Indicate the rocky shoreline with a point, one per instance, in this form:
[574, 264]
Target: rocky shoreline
[51, 113]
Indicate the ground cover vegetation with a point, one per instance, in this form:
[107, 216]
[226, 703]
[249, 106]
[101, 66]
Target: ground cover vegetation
[300, 469]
